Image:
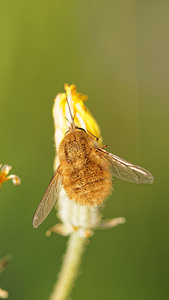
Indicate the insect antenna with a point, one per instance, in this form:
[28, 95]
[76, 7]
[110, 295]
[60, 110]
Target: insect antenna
[68, 121]
[72, 118]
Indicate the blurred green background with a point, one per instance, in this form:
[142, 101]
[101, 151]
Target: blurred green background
[116, 52]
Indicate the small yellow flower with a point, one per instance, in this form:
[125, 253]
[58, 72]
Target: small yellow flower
[3, 175]
[82, 116]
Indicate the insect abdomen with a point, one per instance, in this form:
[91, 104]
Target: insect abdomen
[89, 185]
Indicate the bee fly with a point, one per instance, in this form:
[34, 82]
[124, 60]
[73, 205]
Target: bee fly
[85, 172]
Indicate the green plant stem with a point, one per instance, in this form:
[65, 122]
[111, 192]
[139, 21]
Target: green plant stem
[70, 267]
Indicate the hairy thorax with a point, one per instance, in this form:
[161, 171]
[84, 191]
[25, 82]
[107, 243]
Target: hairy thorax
[86, 175]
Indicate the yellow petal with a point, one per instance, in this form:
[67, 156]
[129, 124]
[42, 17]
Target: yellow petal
[82, 116]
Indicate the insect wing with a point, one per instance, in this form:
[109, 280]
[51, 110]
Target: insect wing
[48, 201]
[125, 170]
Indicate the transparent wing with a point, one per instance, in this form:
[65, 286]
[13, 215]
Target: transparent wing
[125, 170]
[48, 201]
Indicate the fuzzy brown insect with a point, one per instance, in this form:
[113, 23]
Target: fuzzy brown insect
[85, 172]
